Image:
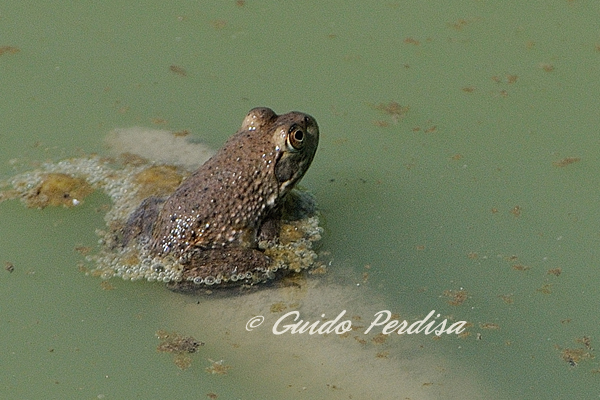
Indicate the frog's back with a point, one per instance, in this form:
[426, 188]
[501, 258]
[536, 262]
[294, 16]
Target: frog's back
[223, 202]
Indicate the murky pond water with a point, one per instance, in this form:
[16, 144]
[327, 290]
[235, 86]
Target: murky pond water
[456, 172]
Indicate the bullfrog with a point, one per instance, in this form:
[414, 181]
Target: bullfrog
[212, 224]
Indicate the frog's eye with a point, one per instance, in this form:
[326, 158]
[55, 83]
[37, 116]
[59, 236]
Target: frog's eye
[295, 137]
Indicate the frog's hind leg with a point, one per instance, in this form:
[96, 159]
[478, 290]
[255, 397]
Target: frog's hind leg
[141, 221]
[225, 267]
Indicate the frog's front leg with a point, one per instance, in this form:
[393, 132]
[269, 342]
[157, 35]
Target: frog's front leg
[297, 205]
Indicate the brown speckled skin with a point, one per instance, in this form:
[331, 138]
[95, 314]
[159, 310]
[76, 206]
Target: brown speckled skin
[211, 222]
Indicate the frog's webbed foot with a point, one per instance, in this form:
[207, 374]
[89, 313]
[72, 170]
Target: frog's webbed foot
[140, 222]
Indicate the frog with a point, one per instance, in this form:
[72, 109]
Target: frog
[212, 223]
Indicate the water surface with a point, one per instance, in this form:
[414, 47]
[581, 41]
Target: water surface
[485, 185]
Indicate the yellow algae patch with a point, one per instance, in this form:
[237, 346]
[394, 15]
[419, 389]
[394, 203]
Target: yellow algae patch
[158, 180]
[290, 233]
[297, 254]
[58, 189]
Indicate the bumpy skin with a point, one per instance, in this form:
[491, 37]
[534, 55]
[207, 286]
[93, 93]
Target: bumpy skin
[212, 221]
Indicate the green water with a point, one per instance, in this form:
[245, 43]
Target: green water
[497, 93]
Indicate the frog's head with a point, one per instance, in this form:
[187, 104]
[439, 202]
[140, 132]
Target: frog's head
[295, 137]
[287, 144]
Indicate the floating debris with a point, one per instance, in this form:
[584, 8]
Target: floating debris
[278, 307]
[507, 298]
[178, 70]
[566, 161]
[218, 367]
[218, 24]
[181, 346]
[555, 271]
[573, 356]
[9, 266]
[395, 110]
[9, 50]
[545, 289]
[489, 325]
[382, 354]
[456, 297]
[106, 285]
[516, 211]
